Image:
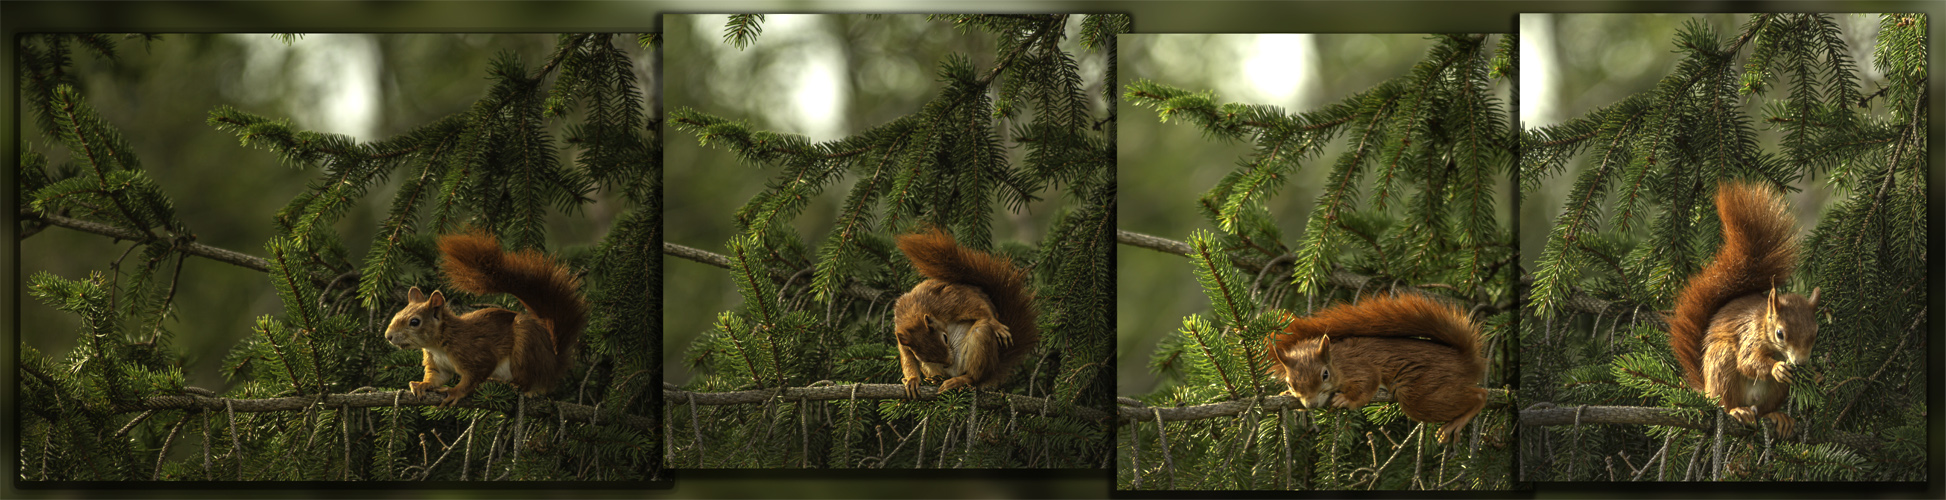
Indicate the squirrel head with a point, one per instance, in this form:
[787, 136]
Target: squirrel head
[1790, 324]
[415, 326]
[1305, 366]
[925, 336]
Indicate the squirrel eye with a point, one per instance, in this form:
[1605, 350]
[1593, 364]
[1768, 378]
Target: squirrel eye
[415, 321]
[1327, 375]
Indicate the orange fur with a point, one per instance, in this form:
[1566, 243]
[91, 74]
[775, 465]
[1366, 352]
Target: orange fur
[970, 322]
[1428, 354]
[1736, 336]
[530, 350]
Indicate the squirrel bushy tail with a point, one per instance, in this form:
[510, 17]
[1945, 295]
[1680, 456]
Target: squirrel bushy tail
[1404, 315]
[1757, 255]
[475, 263]
[938, 256]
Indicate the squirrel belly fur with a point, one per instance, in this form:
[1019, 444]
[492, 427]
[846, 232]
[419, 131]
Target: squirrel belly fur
[530, 349]
[1738, 338]
[969, 322]
[1426, 353]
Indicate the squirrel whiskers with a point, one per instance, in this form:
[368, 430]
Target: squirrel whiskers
[530, 349]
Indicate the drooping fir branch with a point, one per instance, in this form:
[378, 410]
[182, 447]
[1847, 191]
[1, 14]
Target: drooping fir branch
[1438, 128]
[1338, 277]
[1666, 147]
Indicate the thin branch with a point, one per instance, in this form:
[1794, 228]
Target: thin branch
[1132, 410]
[570, 411]
[198, 249]
[1025, 404]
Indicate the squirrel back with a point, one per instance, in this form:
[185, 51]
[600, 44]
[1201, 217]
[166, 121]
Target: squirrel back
[475, 263]
[1404, 315]
[1757, 255]
[1425, 352]
[938, 256]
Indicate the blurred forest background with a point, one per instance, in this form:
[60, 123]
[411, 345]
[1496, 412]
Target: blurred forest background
[822, 76]
[1572, 64]
[159, 92]
[1166, 166]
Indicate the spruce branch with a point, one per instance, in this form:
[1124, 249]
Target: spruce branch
[198, 402]
[854, 289]
[1547, 415]
[1338, 277]
[1022, 404]
[1131, 411]
[227, 256]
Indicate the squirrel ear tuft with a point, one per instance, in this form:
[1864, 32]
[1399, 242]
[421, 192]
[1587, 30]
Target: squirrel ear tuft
[437, 299]
[1814, 296]
[415, 295]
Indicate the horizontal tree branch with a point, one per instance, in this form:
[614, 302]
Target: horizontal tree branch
[719, 260]
[1337, 277]
[233, 257]
[1133, 411]
[198, 402]
[1546, 414]
[988, 399]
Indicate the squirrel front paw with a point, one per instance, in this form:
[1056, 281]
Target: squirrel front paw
[1744, 414]
[1781, 372]
[421, 388]
[1339, 400]
[912, 387]
[954, 383]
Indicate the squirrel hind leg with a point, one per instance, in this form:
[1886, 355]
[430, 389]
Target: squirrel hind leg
[1784, 423]
[1744, 414]
[1479, 402]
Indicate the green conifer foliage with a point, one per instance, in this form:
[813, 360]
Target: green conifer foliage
[1408, 206]
[316, 393]
[1640, 220]
[804, 373]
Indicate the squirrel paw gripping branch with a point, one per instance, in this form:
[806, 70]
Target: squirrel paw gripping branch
[1426, 353]
[1736, 336]
[970, 322]
[530, 349]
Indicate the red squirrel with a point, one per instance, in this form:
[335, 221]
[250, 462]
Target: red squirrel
[530, 349]
[1736, 336]
[970, 322]
[1426, 353]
